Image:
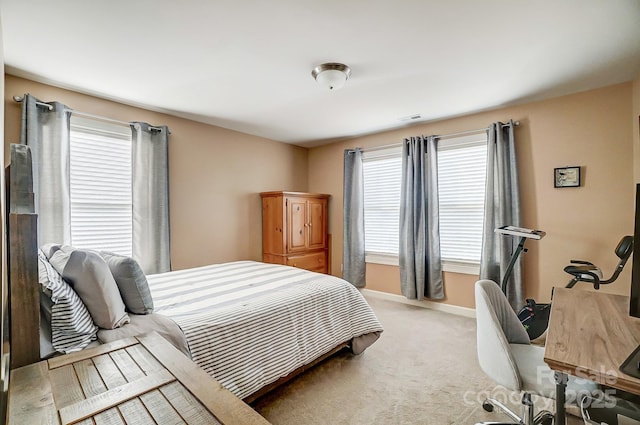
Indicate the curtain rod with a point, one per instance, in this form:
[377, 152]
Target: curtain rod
[98, 117]
[19, 99]
[439, 136]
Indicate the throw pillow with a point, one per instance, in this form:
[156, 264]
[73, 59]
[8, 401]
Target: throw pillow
[90, 277]
[50, 249]
[131, 282]
[72, 328]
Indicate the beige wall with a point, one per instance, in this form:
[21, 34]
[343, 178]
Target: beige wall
[215, 175]
[591, 129]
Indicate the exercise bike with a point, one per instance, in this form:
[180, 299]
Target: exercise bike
[535, 317]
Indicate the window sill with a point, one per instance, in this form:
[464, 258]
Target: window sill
[388, 260]
[447, 266]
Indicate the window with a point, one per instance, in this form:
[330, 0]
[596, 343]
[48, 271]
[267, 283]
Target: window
[100, 186]
[461, 181]
[382, 173]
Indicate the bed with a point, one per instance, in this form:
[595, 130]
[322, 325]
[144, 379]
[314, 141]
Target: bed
[250, 325]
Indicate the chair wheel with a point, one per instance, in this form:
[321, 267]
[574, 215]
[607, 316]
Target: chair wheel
[486, 405]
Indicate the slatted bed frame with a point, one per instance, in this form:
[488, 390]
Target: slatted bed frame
[22, 255]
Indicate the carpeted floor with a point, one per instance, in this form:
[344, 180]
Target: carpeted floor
[422, 370]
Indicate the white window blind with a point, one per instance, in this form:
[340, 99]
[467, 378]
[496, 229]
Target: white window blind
[100, 186]
[382, 173]
[461, 187]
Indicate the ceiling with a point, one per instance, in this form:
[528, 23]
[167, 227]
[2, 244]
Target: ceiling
[246, 65]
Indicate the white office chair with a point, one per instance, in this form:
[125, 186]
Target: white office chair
[507, 356]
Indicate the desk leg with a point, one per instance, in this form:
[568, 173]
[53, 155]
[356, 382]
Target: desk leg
[561, 386]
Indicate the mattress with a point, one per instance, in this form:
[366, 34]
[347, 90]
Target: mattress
[249, 323]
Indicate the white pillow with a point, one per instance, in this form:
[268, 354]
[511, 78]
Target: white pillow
[49, 249]
[72, 328]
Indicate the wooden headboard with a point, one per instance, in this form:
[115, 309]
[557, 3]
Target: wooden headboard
[22, 260]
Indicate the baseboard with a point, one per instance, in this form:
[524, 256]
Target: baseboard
[447, 308]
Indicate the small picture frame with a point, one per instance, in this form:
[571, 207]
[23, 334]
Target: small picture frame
[566, 177]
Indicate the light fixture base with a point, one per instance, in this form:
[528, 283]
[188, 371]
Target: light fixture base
[331, 75]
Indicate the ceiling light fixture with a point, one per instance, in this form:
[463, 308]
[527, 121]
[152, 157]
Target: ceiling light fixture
[331, 75]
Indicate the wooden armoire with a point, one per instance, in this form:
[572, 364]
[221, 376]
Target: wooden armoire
[294, 230]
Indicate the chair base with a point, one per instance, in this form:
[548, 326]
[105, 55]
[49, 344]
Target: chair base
[543, 417]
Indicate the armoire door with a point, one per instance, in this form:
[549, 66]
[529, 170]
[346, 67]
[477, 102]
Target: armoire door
[317, 210]
[296, 223]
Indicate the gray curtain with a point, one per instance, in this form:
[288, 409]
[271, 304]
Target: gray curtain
[150, 182]
[502, 207]
[353, 264]
[420, 260]
[46, 132]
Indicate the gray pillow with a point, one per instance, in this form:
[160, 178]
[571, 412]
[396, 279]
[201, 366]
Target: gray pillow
[131, 282]
[91, 279]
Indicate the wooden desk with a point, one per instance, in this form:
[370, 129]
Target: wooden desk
[142, 380]
[590, 334]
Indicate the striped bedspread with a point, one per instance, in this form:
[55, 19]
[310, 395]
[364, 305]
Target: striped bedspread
[250, 323]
